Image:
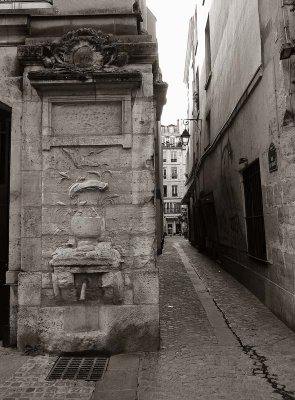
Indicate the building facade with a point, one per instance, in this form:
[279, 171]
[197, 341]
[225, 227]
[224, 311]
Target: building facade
[81, 97]
[173, 179]
[240, 187]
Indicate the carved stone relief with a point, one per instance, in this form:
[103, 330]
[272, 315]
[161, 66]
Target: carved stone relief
[85, 253]
[83, 48]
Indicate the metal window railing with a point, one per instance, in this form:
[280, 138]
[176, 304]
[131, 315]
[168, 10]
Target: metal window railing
[254, 212]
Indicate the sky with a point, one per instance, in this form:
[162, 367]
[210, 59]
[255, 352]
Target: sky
[172, 30]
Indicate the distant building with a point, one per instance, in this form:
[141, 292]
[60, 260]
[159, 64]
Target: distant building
[240, 189]
[173, 179]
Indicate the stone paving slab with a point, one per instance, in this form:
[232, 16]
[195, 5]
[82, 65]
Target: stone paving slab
[121, 379]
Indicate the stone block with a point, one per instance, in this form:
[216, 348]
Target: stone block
[143, 245]
[29, 289]
[91, 118]
[31, 222]
[143, 187]
[119, 380]
[287, 214]
[281, 272]
[56, 220]
[31, 188]
[51, 328]
[147, 85]
[31, 154]
[28, 338]
[144, 220]
[281, 303]
[31, 254]
[143, 117]
[12, 277]
[146, 288]
[46, 280]
[81, 318]
[143, 152]
[130, 328]
[288, 191]
[123, 362]
[119, 218]
[269, 196]
[14, 254]
[272, 225]
[65, 279]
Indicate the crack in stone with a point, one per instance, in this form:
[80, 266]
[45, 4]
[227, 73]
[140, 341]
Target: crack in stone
[259, 361]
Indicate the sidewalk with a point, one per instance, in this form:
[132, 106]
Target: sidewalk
[217, 342]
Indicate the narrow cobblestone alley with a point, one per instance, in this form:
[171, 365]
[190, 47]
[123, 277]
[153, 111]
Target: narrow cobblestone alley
[236, 349]
[217, 342]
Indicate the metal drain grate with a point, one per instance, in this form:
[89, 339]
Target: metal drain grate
[79, 368]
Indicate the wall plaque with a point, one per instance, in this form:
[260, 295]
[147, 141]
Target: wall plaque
[272, 158]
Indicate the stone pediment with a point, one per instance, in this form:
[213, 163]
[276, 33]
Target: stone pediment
[82, 50]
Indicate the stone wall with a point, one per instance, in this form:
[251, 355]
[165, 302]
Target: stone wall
[263, 115]
[83, 245]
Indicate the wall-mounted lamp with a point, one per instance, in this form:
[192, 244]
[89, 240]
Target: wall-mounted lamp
[185, 136]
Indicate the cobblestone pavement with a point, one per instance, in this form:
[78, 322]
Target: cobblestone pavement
[236, 349]
[29, 382]
[217, 342]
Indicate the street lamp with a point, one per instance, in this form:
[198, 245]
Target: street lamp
[185, 137]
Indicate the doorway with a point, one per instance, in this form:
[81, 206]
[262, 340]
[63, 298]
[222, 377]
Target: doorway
[5, 136]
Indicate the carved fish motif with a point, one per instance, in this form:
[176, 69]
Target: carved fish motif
[91, 184]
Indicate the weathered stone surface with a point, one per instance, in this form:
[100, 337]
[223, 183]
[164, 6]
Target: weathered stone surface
[31, 218]
[131, 328]
[82, 318]
[282, 270]
[87, 118]
[84, 188]
[31, 254]
[31, 188]
[30, 289]
[143, 117]
[146, 287]
[28, 335]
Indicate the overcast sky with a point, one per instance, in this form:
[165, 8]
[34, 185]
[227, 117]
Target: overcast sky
[172, 30]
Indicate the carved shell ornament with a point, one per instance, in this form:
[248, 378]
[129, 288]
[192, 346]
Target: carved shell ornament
[83, 49]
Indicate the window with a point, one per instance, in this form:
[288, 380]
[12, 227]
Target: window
[174, 191]
[254, 211]
[176, 207]
[207, 53]
[172, 141]
[164, 156]
[165, 190]
[197, 91]
[208, 130]
[173, 156]
[164, 173]
[174, 173]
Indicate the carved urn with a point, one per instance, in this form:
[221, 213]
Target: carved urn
[86, 224]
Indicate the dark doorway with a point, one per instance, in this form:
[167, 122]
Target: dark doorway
[5, 124]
